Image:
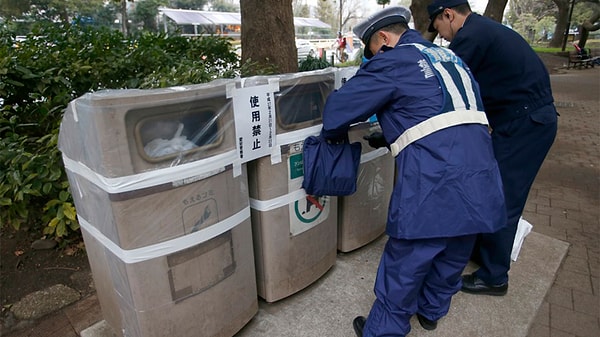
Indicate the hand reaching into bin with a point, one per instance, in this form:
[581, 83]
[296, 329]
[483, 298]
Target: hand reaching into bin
[376, 140]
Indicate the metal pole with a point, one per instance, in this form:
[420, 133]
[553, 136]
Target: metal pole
[341, 4]
[568, 26]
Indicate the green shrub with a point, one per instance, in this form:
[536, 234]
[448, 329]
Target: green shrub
[313, 63]
[58, 63]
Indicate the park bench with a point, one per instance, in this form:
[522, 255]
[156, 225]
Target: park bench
[582, 59]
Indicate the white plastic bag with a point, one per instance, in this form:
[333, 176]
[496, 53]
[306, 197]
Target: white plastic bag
[161, 147]
[523, 228]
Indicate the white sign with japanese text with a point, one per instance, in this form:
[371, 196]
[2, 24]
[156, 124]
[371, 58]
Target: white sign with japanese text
[254, 110]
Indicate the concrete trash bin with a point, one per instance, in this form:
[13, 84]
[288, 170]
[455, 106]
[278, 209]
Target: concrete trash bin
[362, 216]
[294, 236]
[165, 222]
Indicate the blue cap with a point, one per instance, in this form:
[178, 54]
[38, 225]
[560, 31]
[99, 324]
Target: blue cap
[383, 18]
[438, 6]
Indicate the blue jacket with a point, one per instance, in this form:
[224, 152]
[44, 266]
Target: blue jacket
[447, 183]
[512, 78]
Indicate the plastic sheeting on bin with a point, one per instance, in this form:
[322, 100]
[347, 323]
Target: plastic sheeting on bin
[165, 221]
[362, 216]
[294, 236]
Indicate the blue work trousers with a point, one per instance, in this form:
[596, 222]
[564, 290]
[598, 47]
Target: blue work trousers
[416, 276]
[520, 147]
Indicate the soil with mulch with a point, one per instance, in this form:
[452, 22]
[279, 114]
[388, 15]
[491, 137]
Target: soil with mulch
[24, 270]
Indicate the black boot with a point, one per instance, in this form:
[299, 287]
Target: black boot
[426, 323]
[474, 285]
[358, 324]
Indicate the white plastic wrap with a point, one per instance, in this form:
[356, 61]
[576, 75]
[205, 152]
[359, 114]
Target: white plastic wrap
[294, 236]
[165, 221]
[362, 216]
[109, 130]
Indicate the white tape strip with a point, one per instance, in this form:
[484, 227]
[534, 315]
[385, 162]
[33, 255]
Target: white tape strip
[292, 137]
[198, 169]
[298, 135]
[237, 168]
[74, 109]
[366, 157]
[274, 84]
[271, 204]
[168, 247]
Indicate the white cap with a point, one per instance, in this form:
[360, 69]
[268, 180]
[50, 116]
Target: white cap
[383, 18]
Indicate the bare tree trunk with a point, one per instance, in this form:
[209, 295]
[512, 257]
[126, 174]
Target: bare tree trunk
[495, 9]
[418, 9]
[124, 18]
[268, 36]
[588, 26]
[561, 23]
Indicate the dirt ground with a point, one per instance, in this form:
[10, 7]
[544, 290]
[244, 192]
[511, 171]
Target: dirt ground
[553, 62]
[24, 270]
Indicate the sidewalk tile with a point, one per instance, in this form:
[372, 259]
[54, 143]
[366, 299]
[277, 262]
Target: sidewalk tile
[579, 324]
[576, 281]
[586, 303]
[577, 265]
[561, 296]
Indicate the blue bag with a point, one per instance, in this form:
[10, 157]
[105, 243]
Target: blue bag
[330, 168]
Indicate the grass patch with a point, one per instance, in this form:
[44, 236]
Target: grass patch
[591, 44]
[547, 50]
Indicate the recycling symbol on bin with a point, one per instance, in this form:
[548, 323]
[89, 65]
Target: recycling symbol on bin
[311, 210]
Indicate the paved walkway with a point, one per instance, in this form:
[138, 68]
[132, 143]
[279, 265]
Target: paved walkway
[563, 204]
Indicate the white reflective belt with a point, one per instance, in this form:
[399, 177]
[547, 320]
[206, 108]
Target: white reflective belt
[168, 247]
[437, 123]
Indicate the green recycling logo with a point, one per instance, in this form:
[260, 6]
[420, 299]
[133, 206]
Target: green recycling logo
[312, 209]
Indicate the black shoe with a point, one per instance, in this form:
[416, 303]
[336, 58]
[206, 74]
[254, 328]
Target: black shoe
[474, 285]
[425, 323]
[358, 324]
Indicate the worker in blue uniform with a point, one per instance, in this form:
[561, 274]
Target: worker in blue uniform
[448, 186]
[517, 96]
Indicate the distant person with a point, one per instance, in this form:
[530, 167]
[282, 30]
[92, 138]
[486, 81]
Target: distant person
[448, 187]
[341, 44]
[516, 92]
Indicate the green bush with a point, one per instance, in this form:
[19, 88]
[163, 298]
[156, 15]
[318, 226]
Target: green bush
[57, 63]
[313, 63]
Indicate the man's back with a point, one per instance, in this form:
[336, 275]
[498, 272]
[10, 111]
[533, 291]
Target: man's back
[509, 72]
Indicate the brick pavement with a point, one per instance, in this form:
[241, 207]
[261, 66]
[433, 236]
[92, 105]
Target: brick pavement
[564, 204]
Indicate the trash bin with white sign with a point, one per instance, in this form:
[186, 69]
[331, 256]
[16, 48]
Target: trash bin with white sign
[294, 234]
[164, 209]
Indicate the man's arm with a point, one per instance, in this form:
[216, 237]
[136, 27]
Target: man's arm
[362, 96]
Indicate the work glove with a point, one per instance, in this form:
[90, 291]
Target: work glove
[376, 140]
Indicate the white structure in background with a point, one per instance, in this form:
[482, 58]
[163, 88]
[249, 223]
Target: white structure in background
[197, 23]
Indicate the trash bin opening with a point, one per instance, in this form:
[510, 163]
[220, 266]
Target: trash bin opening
[301, 106]
[172, 134]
